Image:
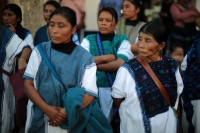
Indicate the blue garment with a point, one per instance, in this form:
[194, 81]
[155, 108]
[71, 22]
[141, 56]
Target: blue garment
[116, 4]
[42, 36]
[191, 80]
[154, 102]
[49, 88]
[88, 120]
[151, 100]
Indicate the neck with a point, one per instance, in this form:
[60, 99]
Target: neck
[152, 59]
[133, 18]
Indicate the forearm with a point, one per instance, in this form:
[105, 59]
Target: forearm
[34, 96]
[111, 66]
[134, 49]
[117, 102]
[26, 52]
[87, 99]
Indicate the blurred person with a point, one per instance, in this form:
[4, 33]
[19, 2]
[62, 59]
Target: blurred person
[10, 46]
[142, 107]
[132, 20]
[177, 53]
[110, 51]
[116, 4]
[182, 32]
[42, 34]
[62, 100]
[12, 17]
[79, 7]
[167, 20]
[191, 91]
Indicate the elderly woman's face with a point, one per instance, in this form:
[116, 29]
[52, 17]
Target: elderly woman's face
[148, 47]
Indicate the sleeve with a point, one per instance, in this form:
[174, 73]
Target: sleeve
[179, 86]
[123, 83]
[89, 80]
[75, 39]
[184, 64]
[29, 40]
[85, 44]
[124, 51]
[32, 66]
[176, 13]
[82, 5]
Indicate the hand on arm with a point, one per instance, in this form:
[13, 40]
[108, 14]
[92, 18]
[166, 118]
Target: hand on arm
[111, 66]
[22, 62]
[104, 59]
[52, 112]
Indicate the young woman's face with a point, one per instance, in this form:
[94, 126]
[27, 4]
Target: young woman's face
[178, 55]
[129, 10]
[106, 23]
[148, 47]
[10, 18]
[60, 29]
[48, 9]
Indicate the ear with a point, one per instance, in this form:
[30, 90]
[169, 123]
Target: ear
[137, 10]
[116, 24]
[161, 46]
[74, 29]
[19, 19]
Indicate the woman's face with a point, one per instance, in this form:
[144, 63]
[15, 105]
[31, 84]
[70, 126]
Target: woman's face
[129, 10]
[106, 23]
[60, 29]
[10, 18]
[148, 47]
[48, 9]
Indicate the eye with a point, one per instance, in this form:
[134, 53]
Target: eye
[51, 25]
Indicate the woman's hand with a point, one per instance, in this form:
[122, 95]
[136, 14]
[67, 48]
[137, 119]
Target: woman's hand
[56, 117]
[12, 28]
[22, 65]
[109, 58]
[104, 59]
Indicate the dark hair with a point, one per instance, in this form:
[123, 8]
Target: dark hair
[111, 11]
[67, 13]
[156, 29]
[139, 4]
[53, 3]
[15, 9]
[174, 46]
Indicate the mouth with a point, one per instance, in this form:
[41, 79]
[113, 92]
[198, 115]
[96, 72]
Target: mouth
[103, 29]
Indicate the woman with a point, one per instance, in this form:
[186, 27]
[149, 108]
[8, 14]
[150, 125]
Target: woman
[184, 33]
[144, 109]
[12, 17]
[47, 91]
[10, 46]
[191, 93]
[42, 34]
[116, 50]
[133, 19]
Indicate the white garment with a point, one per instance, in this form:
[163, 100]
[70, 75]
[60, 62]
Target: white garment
[130, 110]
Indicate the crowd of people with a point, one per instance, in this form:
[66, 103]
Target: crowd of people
[132, 76]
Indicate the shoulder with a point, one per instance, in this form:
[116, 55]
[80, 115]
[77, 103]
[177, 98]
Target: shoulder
[43, 28]
[170, 62]
[121, 37]
[83, 52]
[89, 37]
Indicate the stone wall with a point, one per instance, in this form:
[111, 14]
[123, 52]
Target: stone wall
[32, 13]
